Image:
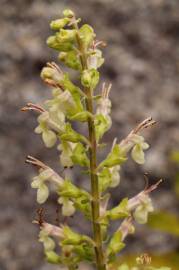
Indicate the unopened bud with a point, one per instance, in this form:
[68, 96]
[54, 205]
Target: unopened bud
[68, 13]
[58, 24]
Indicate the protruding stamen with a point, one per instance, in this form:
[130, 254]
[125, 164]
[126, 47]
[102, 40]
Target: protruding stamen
[144, 124]
[33, 107]
[106, 90]
[54, 66]
[99, 43]
[35, 162]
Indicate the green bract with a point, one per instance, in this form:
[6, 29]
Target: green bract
[90, 78]
[79, 155]
[74, 105]
[115, 157]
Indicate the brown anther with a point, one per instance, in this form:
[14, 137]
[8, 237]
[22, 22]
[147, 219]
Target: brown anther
[35, 162]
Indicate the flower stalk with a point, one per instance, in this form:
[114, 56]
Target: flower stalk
[79, 50]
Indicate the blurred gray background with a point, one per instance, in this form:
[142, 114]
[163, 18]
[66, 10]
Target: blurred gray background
[142, 62]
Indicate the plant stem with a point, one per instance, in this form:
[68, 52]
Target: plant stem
[95, 203]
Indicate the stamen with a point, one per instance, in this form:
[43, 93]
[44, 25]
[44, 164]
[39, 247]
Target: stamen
[99, 43]
[144, 124]
[153, 187]
[35, 162]
[33, 107]
[106, 90]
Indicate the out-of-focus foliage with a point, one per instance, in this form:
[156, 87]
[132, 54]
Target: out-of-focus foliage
[165, 222]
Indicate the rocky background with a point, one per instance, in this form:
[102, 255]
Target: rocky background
[142, 64]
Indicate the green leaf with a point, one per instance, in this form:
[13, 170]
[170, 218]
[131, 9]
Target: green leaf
[115, 157]
[79, 156]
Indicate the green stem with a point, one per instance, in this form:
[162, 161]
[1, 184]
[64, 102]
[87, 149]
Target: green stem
[95, 203]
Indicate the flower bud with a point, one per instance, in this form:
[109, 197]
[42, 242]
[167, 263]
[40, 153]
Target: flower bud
[58, 24]
[90, 78]
[54, 43]
[52, 74]
[66, 35]
[71, 59]
[68, 13]
[87, 35]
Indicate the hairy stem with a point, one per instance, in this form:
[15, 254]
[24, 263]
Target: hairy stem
[95, 203]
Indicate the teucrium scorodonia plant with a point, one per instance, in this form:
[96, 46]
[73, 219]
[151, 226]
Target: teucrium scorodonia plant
[79, 50]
